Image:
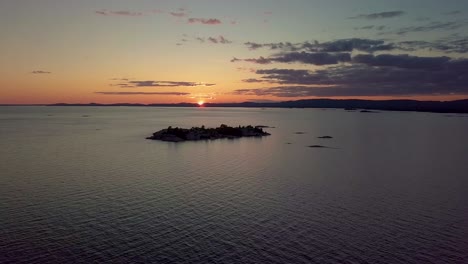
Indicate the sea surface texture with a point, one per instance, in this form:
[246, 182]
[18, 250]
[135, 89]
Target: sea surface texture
[82, 185]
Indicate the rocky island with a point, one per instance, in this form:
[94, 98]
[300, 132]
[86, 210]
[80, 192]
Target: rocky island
[201, 133]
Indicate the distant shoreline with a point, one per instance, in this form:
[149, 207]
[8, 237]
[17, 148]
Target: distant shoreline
[458, 106]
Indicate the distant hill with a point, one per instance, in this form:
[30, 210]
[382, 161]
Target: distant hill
[459, 106]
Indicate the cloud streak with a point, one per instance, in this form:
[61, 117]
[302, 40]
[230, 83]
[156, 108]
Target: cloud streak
[41, 72]
[382, 15]
[142, 93]
[151, 83]
[178, 14]
[204, 21]
[118, 13]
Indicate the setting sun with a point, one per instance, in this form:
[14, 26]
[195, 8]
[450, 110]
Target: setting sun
[201, 103]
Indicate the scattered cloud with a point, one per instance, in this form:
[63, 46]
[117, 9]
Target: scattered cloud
[118, 13]
[142, 93]
[132, 84]
[381, 15]
[204, 21]
[41, 72]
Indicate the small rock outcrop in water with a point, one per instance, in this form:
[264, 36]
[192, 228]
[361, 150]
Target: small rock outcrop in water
[325, 137]
[202, 133]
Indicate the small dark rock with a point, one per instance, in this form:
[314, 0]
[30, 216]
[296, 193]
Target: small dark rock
[325, 137]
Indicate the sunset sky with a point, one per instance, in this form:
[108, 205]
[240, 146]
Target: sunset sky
[155, 51]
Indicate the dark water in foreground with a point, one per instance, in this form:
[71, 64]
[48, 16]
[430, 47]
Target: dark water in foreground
[82, 185]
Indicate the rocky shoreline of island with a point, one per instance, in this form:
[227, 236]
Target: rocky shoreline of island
[177, 134]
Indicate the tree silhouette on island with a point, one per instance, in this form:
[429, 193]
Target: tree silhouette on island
[201, 133]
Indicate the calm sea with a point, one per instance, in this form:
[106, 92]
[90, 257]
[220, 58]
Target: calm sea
[82, 185]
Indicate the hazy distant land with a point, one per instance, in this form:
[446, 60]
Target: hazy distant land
[458, 106]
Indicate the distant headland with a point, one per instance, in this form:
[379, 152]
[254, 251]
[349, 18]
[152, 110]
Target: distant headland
[201, 133]
[459, 106]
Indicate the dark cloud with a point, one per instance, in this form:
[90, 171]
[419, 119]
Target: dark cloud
[205, 21]
[291, 76]
[319, 58]
[402, 61]
[150, 83]
[118, 13]
[381, 15]
[41, 72]
[388, 75]
[141, 93]
[348, 45]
